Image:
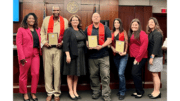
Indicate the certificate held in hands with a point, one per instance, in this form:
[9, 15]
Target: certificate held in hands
[53, 39]
[92, 41]
[119, 46]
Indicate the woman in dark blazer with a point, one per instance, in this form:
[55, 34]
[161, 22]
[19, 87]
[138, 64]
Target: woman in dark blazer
[155, 56]
[28, 47]
[73, 46]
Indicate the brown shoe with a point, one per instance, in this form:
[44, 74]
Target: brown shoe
[49, 98]
[56, 98]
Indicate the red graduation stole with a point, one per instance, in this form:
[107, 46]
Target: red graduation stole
[121, 38]
[101, 32]
[51, 26]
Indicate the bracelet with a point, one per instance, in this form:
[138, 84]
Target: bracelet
[102, 46]
[151, 57]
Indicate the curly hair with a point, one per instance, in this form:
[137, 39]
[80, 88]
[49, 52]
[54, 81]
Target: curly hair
[136, 34]
[157, 27]
[24, 21]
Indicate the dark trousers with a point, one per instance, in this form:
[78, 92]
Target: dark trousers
[137, 75]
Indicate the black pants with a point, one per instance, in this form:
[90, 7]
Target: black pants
[137, 75]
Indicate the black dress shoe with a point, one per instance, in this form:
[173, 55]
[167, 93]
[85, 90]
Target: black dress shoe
[138, 96]
[25, 99]
[121, 97]
[72, 97]
[133, 94]
[118, 94]
[78, 97]
[149, 95]
[96, 96]
[152, 97]
[35, 99]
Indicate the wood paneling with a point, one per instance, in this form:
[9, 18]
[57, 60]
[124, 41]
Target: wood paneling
[126, 14]
[162, 20]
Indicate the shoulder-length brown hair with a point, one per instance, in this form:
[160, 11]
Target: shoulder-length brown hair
[157, 27]
[121, 29]
[24, 21]
[136, 34]
[70, 20]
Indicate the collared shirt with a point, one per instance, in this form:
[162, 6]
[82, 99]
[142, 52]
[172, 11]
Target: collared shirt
[56, 28]
[94, 54]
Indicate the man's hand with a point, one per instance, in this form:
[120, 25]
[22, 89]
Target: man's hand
[98, 47]
[47, 45]
[59, 45]
[23, 61]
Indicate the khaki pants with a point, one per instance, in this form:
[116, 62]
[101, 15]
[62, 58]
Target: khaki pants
[51, 62]
[101, 66]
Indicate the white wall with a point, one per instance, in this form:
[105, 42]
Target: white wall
[157, 5]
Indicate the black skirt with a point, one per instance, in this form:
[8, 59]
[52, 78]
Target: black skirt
[76, 66]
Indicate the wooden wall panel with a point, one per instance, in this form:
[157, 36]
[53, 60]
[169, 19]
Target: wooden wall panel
[147, 15]
[162, 20]
[139, 13]
[126, 14]
[54, 1]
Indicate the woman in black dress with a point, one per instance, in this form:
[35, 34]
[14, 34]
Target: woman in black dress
[73, 46]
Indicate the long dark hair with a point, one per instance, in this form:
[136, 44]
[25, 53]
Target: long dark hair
[24, 21]
[70, 20]
[136, 34]
[121, 29]
[157, 27]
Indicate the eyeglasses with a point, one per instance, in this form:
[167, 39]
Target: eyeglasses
[75, 20]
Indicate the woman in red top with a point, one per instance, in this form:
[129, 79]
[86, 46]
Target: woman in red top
[138, 43]
[120, 58]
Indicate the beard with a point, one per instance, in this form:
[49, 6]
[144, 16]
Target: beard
[56, 15]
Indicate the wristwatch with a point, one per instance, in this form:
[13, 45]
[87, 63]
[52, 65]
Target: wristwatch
[101, 46]
[151, 57]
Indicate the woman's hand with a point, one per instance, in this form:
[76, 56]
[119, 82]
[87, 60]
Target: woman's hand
[23, 61]
[68, 59]
[114, 50]
[122, 53]
[151, 61]
[135, 62]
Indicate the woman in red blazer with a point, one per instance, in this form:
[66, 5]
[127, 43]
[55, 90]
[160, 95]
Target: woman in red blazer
[28, 47]
[138, 43]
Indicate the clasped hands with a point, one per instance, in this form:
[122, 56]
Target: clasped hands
[120, 53]
[58, 45]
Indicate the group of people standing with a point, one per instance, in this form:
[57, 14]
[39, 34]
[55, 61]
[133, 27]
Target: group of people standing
[73, 44]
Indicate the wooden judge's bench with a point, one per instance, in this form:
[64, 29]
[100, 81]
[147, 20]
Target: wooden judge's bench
[109, 10]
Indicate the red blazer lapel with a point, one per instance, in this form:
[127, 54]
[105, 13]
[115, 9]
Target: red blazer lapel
[29, 32]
